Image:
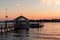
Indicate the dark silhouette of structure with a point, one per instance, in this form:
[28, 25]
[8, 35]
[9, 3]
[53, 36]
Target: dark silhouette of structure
[21, 23]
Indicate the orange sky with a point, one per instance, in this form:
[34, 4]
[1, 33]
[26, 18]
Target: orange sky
[30, 14]
[32, 9]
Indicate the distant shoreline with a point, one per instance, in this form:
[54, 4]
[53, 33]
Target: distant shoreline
[46, 20]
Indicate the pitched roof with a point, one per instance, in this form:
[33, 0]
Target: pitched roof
[20, 17]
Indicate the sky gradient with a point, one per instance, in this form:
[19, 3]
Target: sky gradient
[32, 9]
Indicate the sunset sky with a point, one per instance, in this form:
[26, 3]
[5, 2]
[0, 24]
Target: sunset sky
[32, 9]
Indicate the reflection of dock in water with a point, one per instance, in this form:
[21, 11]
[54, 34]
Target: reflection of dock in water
[21, 35]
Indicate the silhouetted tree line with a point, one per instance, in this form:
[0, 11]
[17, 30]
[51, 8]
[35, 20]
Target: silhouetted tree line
[46, 20]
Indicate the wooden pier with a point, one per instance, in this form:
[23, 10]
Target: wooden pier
[6, 27]
[10, 25]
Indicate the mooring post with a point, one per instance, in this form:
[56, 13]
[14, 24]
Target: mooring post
[5, 26]
[6, 21]
[1, 28]
[38, 25]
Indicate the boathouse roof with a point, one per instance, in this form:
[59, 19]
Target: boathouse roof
[21, 17]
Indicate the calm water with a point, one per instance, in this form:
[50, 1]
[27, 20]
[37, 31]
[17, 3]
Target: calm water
[50, 31]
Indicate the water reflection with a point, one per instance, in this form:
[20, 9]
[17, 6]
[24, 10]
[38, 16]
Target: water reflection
[21, 35]
[50, 31]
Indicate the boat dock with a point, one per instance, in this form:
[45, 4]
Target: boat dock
[12, 25]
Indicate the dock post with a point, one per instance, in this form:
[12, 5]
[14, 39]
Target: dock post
[38, 25]
[1, 29]
[5, 26]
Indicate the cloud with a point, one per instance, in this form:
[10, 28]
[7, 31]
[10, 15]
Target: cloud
[17, 4]
[51, 2]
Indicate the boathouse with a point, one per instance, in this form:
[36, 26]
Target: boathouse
[21, 23]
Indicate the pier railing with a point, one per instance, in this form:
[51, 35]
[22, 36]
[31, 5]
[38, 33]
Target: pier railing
[6, 26]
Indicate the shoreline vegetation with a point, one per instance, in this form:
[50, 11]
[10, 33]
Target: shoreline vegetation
[42, 20]
[46, 20]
